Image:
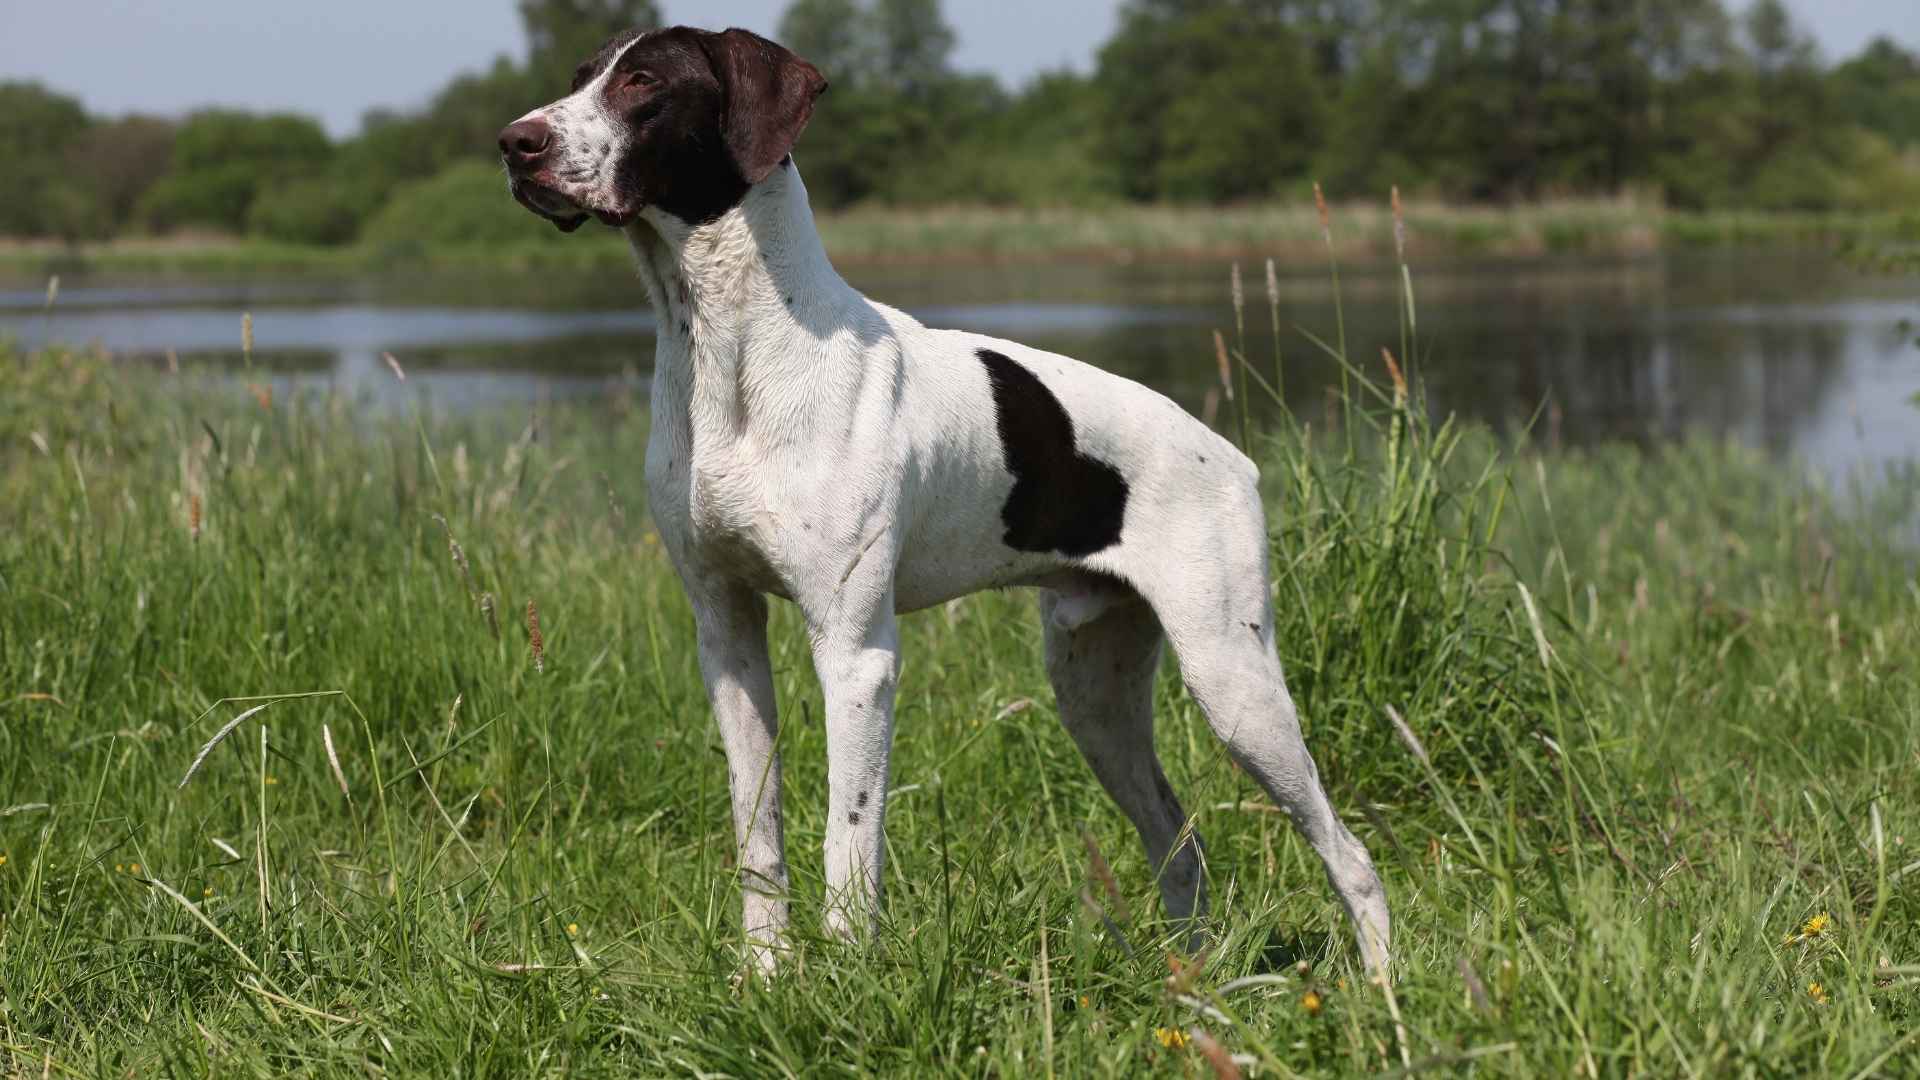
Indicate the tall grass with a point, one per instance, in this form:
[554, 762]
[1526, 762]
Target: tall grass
[1631, 734]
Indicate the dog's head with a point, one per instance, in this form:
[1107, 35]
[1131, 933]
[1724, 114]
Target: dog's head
[683, 120]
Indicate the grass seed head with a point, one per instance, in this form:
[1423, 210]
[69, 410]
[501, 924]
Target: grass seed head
[393, 365]
[534, 640]
[1399, 380]
[492, 617]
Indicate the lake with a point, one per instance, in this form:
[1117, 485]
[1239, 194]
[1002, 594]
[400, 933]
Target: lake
[1791, 352]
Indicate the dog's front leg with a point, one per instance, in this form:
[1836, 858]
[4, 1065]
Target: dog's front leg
[856, 649]
[731, 623]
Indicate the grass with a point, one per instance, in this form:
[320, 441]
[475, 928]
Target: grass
[880, 235]
[1650, 813]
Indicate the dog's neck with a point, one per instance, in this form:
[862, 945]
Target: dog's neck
[744, 285]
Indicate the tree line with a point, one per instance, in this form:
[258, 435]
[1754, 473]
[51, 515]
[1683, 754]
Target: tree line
[1206, 101]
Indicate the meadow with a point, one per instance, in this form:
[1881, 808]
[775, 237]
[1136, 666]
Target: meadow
[1632, 734]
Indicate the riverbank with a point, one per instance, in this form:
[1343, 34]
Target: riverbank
[880, 236]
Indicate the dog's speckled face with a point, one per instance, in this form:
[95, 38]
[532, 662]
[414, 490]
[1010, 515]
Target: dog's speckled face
[682, 120]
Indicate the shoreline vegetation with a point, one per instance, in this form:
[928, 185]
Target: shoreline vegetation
[1118, 233]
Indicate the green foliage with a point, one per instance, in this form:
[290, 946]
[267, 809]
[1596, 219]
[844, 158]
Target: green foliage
[37, 197]
[466, 206]
[563, 33]
[317, 210]
[1207, 102]
[118, 161]
[222, 160]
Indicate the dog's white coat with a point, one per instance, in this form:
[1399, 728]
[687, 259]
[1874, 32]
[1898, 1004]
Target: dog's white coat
[810, 443]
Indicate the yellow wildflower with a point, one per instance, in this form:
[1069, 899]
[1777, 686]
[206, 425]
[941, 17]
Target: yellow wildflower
[208, 891]
[1171, 1038]
[573, 929]
[133, 868]
[1817, 925]
[273, 779]
[1310, 1002]
[1085, 1001]
[1817, 992]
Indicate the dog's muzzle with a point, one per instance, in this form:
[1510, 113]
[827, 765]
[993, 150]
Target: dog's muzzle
[544, 201]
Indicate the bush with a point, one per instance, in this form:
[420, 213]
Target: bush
[467, 205]
[317, 211]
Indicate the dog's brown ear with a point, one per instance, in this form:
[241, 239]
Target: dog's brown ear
[769, 98]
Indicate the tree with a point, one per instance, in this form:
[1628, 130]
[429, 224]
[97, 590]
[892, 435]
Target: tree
[1207, 100]
[828, 34]
[223, 160]
[37, 195]
[563, 33]
[1880, 90]
[118, 161]
[914, 45]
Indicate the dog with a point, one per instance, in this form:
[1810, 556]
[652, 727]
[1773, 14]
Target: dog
[812, 444]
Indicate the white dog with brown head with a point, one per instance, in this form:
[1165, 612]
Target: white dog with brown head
[813, 444]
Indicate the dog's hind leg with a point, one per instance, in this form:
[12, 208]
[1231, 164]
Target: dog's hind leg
[1102, 672]
[1218, 614]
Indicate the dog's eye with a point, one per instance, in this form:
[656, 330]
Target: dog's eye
[641, 79]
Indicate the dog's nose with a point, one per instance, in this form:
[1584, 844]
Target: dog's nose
[523, 141]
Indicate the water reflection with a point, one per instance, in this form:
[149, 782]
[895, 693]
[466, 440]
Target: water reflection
[1786, 352]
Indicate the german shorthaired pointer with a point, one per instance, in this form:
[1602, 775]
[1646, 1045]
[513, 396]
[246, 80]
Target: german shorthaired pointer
[813, 444]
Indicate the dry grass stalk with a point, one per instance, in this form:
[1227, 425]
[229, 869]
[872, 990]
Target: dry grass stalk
[394, 366]
[1226, 364]
[1399, 227]
[246, 337]
[193, 516]
[333, 759]
[1407, 736]
[53, 290]
[225, 730]
[1210, 406]
[613, 506]
[1326, 219]
[1475, 988]
[493, 618]
[1273, 286]
[534, 639]
[173, 362]
[1216, 1056]
[1103, 873]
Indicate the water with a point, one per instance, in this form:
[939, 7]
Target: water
[1793, 353]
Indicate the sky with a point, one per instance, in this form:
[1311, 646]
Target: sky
[339, 58]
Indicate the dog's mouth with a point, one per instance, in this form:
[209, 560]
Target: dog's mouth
[567, 212]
